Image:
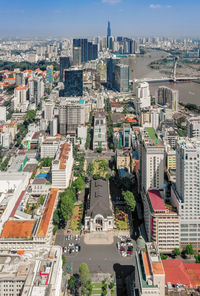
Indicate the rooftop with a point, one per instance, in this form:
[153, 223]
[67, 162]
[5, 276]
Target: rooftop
[177, 272]
[156, 200]
[44, 224]
[99, 199]
[18, 229]
[151, 133]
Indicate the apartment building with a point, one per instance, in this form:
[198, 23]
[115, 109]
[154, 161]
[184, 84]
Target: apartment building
[161, 222]
[151, 156]
[193, 127]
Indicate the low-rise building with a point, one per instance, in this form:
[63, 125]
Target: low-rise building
[99, 216]
[49, 147]
[32, 272]
[122, 159]
[62, 166]
[40, 187]
[150, 271]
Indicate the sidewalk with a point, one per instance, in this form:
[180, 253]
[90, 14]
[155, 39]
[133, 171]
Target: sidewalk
[99, 238]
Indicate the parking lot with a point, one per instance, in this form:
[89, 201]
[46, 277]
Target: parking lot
[100, 258]
[72, 245]
[125, 246]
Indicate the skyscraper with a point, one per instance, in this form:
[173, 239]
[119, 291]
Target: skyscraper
[64, 65]
[122, 78]
[73, 83]
[111, 71]
[83, 43]
[108, 32]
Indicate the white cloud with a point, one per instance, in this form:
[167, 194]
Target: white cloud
[168, 6]
[155, 6]
[111, 1]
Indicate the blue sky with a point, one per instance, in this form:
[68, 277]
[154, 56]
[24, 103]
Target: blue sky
[74, 18]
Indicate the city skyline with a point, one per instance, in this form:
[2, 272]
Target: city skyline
[89, 18]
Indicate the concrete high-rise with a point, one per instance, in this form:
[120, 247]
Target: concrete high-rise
[168, 96]
[143, 99]
[186, 193]
[71, 115]
[64, 65]
[76, 56]
[193, 127]
[73, 83]
[152, 155]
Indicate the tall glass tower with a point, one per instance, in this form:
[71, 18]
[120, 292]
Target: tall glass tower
[108, 33]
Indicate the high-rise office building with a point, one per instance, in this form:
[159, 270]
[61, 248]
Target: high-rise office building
[83, 44]
[108, 32]
[92, 51]
[64, 65]
[111, 63]
[73, 83]
[168, 96]
[186, 193]
[76, 56]
[122, 78]
[49, 74]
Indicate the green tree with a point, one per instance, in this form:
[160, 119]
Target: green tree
[99, 149]
[84, 274]
[71, 284]
[163, 256]
[189, 250]
[63, 260]
[90, 169]
[197, 257]
[55, 229]
[177, 252]
[111, 286]
[129, 199]
[66, 208]
[79, 184]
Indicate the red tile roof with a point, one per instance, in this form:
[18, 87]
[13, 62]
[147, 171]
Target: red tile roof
[156, 200]
[177, 272]
[18, 229]
[44, 224]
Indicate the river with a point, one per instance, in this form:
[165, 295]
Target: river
[189, 92]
